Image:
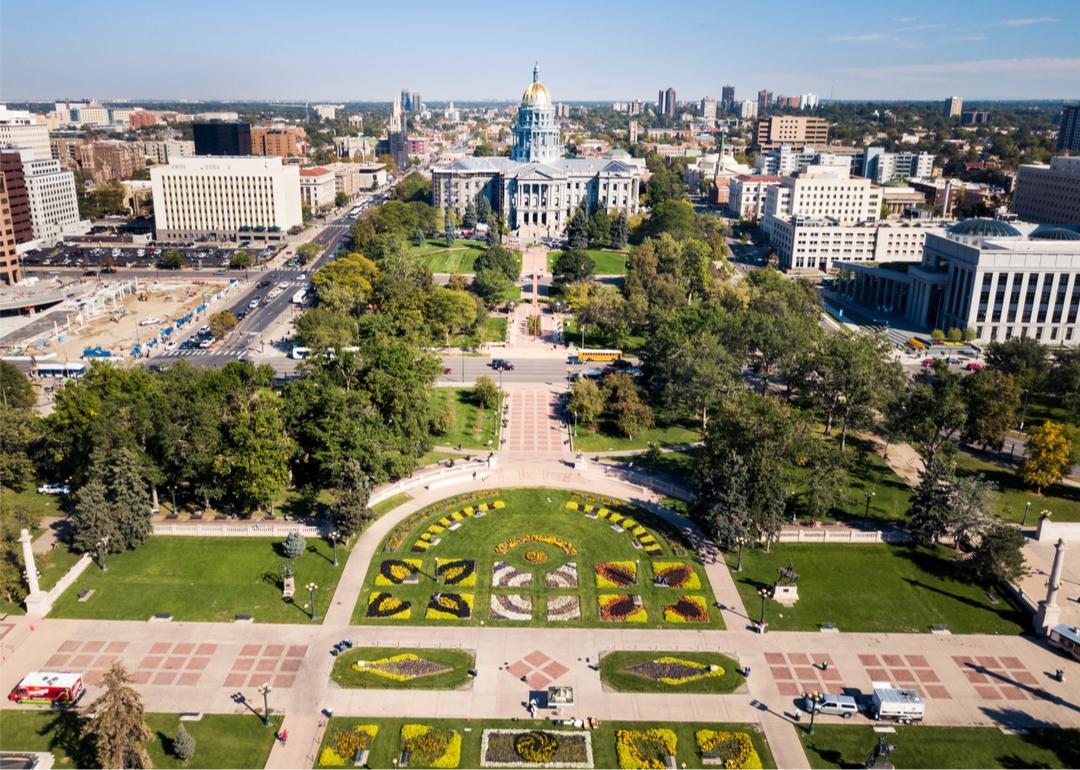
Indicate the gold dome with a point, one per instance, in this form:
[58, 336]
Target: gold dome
[536, 94]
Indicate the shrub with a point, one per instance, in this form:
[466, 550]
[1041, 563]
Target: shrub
[184, 744]
[295, 544]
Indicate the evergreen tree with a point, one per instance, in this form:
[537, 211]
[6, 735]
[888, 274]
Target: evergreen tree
[93, 519]
[130, 499]
[483, 209]
[999, 555]
[183, 744]
[294, 545]
[350, 511]
[116, 728]
[418, 237]
[577, 229]
[619, 231]
[599, 228]
[449, 233]
[494, 233]
[722, 507]
[469, 218]
[929, 513]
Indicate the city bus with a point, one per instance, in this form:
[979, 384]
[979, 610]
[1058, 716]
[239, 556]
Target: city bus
[68, 370]
[596, 354]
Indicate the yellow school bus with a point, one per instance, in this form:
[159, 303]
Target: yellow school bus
[586, 354]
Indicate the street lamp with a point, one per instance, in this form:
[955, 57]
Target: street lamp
[814, 698]
[265, 689]
[102, 544]
[334, 540]
[1027, 508]
[764, 594]
[869, 496]
[311, 587]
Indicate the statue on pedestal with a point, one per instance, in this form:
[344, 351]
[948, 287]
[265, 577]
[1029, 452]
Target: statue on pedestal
[879, 755]
[288, 584]
[785, 589]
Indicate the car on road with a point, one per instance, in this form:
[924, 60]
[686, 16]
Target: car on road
[207, 343]
[170, 345]
[501, 365]
[150, 321]
[254, 303]
[302, 277]
[447, 370]
[975, 366]
[928, 362]
[54, 489]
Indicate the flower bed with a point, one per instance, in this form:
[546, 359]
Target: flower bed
[401, 668]
[687, 609]
[431, 746]
[562, 577]
[674, 671]
[614, 511]
[511, 607]
[645, 748]
[384, 605]
[563, 608]
[563, 545]
[446, 606]
[616, 574]
[536, 557]
[394, 572]
[621, 608]
[343, 745]
[730, 750]
[535, 748]
[506, 575]
[456, 572]
[675, 574]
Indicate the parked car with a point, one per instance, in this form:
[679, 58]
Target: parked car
[928, 362]
[975, 366]
[836, 705]
[501, 365]
[54, 489]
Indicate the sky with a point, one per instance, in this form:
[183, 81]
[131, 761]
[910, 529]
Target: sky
[357, 50]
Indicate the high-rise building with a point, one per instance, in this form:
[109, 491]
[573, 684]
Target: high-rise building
[20, 128]
[793, 130]
[220, 137]
[708, 108]
[975, 118]
[665, 102]
[762, 101]
[398, 135]
[884, 167]
[954, 107]
[808, 102]
[281, 140]
[416, 103]
[17, 198]
[50, 191]
[1049, 194]
[10, 269]
[406, 99]
[746, 109]
[823, 192]
[727, 97]
[253, 198]
[1069, 132]
[635, 130]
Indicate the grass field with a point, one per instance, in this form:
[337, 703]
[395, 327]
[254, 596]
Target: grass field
[912, 589]
[475, 427]
[221, 740]
[390, 504]
[608, 261]
[458, 661]
[494, 329]
[531, 512]
[212, 578]
[945, 747]
[459, 258]
[606, 439]
[1042, 407]
[678, 464]
[1012, 496]
[614, 674]
[593, 339]
[387, 744]
[43, 505]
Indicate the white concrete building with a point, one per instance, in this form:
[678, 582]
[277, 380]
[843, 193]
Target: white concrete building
[785, 161]
[823, 192]
[1002, 280]
[746, 109]
[22, 129]
[226, 198]
[884, 167]
[317, 187]
[54, 204]
[746, 194]
[1048, 194]
[808, 101]
[94, 115]
[810, 245]
[326, 111]
[362, 147]
[160, 152]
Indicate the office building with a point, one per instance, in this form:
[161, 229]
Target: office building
[10, 267]
[1002, 280]
[416, 103]
[811, 245]
[708, 108]
[727, 98]
[634, 131]
[318, 187]
[808, 102]
[18, 199]
[665, 102]
[884, 167]
[954, 107]
[91, 115]
[820, 193]
[20, 128]
[50, 191]
[159, 152]
[747, 109]
[763, 102]
[746, 194]
[326, 111]
[222, 137]
[536, 189]
[280, 140]
[362, 147]
[793, 130]
[1069, 130]
[1048, 194]
[226, 198]
[785, 161]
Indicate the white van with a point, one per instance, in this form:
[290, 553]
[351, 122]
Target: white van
[834, 705]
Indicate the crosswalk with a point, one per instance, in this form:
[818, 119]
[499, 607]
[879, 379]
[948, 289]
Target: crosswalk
[197, 352]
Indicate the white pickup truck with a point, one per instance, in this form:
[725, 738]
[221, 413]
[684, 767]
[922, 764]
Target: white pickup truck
[899, 705]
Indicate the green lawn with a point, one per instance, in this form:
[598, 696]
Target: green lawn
[677, 464]
[606, 438]
[1012, 496]
[593, 338]
[475, 427]
[945, 747]
[458, 661]
[221, 740]
[530, 512]
[431, 457]
[43, 505]
[387, 744]
[872, 587]
[51, 567]
[1044, 406]
[494, 328]
[608, 261]
[390, 504]
[459, 258]
[212, 578]
[614, 674]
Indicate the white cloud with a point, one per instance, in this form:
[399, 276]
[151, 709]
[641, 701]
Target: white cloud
[868, 38]
[919, 27]
[1042, 66]
[905, 19]
[1027, 22]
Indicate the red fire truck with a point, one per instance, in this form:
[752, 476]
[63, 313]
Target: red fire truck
[48, 687]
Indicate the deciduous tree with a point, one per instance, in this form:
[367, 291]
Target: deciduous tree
[586, 401]
[993, 399]
[352, 491]
[1048, 456]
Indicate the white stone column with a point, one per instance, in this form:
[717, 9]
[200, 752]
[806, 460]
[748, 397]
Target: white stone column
[37, 601]
[1049, 613]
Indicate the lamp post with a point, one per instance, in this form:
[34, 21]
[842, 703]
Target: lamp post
[815, 698]
[265, 689]
[1027, 508]
[738, 567]
[311, 587]
[764, 594]
[334, 540]
[869, 496]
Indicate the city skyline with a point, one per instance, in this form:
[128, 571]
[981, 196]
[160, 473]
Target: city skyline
[981, 50]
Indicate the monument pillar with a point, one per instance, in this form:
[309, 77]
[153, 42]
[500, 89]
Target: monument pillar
[1049, 614]
[37, 601]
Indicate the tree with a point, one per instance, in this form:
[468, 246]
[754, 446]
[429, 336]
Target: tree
[340, 199]
[620, 231]
[253, 465]
[294, 545]
[493, 236]
[929, 513]
[577, 228]
[483, 209]
[722, 507]
[116, 728]
[307, 252]
[305, 213]
[349, 511]
[130, 499]
[418, 237]
[444, 420]
[171, 259]
[450, 312]
[468, 219]
[954, 334]
[999, 556]
[183, 743]
[827, 483]
[449, 234]
[492, 286]
[993, 399]
[14, 517]
[221, 323]
[573, 266]
[501, 259]
[599, 229]
[457, 282]
[93, 520]
[1048, 456]
[586, 401]
[485, 392]
[937, 335]
[16, 391]
[346, 284]
[16, 438]
[240, 260]
[627, 409]
[932, 414]
[1025, 358]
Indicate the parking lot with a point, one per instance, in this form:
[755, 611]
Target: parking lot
[132, 256]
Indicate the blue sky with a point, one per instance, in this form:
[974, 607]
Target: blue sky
[359, 50]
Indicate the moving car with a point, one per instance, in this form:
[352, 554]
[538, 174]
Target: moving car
[54, 489]
[975, 366]
[501, 365]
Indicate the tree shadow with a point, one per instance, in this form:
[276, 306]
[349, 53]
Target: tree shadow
[168, 743]
[1024, 720]
[65, 732]
[1063, 742]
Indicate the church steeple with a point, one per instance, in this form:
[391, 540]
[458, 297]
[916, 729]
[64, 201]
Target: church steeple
[536, 72]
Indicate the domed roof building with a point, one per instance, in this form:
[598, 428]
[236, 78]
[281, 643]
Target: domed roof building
[536, 189]
[983, 228]
[1055, 234]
